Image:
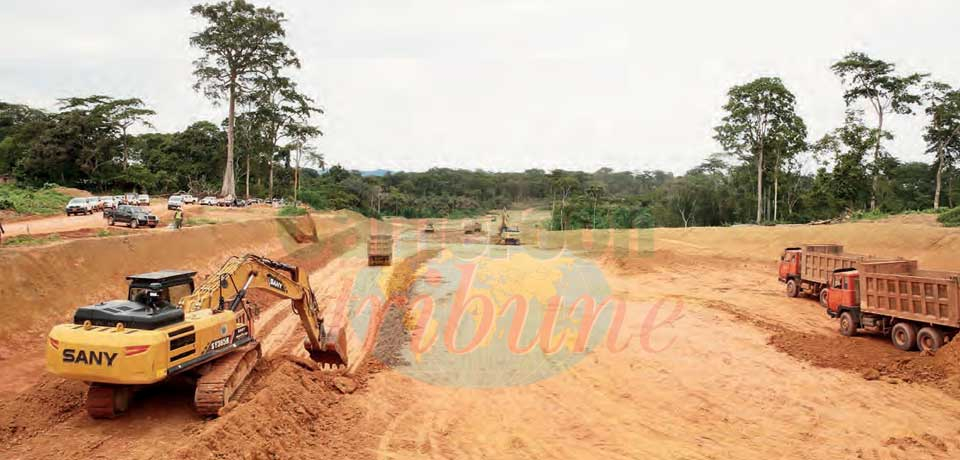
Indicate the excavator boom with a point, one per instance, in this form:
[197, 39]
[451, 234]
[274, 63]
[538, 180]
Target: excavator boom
[240, 274]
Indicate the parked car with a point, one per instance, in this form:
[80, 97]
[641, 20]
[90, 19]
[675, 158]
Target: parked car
[95, 203]
[108, 202]
[175, 202]
[133, 216]
[130, 199]
[78, 206]
[143, 200]
[188, 198]
[209, 201]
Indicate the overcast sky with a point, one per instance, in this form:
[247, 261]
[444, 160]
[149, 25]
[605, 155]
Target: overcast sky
[495, 84]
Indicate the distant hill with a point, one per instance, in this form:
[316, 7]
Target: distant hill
[375, 172]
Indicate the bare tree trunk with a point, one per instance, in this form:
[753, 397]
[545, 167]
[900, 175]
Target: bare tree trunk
[126, 152]
[270, 187]
[296, 175]
[247, 191]
[229, 187]
[936, 193]
[776, 191]
[876, 162]
[760, 184]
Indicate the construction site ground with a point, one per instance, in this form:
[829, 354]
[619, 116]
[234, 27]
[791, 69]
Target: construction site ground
[719, 363]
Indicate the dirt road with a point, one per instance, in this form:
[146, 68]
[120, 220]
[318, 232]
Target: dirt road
[711, 360]
[64, 225]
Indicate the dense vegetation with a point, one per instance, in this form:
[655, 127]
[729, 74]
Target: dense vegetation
[42, 201]
[769, 169]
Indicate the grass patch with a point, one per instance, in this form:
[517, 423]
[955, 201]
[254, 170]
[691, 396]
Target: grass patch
[197, 221]
[290, 211]
[28, 240]
[103, 232]
[950, 217]
[43, 201]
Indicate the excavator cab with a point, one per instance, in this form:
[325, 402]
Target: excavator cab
[844, 290]
[151, 302]
[789, 263]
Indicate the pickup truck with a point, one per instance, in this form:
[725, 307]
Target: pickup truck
[79, 206]
[133, 216]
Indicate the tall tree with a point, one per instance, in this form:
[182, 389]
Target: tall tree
[302, 134]
[761, 115]
[242, 44]
[280, 107]
[886, 92]
[943, 132]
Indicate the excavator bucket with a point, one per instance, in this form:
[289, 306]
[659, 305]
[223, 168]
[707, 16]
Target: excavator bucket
[334, 352]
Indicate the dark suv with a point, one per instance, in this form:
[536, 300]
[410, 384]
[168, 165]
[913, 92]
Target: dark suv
[134, 216]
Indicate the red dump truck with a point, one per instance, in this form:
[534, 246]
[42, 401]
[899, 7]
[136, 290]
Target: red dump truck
[807, 270]
[918, 308]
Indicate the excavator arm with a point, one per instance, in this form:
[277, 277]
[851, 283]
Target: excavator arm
[226, 289]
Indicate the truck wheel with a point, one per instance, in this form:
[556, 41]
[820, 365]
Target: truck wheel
[792, 288]
[824, 298]
[848, 327]
[904, 336]
[110, 221]
[134, 223]
[929, 339]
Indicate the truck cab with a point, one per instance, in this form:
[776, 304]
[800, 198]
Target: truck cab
[790, 264]
[844, 291]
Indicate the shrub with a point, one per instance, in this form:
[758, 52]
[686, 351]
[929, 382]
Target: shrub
[290, 210]
[44, 201]
[950, 218]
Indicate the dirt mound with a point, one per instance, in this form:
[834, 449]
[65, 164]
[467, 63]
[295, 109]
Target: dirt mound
[72, 192]
[50, 402]
[290, 413]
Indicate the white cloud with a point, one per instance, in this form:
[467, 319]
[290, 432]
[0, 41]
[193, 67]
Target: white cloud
[505, 85]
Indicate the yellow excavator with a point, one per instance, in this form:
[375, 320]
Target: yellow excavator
[507, 235]
[167, 328]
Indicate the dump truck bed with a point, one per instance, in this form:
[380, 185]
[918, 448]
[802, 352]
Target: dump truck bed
[820, 261]
[900, 290]
[379, 250]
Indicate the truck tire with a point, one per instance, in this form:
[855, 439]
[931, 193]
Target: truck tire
[904, 336]
[134, 223]
[110, 221]
[792, 290]
[848, 327]
[929, 339]
[824, 298]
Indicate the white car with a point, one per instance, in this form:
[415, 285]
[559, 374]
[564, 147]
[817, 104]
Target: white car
[79, 206]
[209, 201]
[188, 198]
[175, 202]
[143, 200]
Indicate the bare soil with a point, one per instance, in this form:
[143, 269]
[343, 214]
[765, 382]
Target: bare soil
[738, 370]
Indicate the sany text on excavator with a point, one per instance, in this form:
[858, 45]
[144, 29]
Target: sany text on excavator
[166, 328]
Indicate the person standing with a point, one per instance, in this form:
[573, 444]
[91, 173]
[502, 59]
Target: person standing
[178, 218]
[1, 233]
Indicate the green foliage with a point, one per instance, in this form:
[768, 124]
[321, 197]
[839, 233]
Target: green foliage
[761, 127]
[198, 221]
[43, 201]
[103, 233]
[290, 211]
[242, 51]
[29, 240]
[950, 218]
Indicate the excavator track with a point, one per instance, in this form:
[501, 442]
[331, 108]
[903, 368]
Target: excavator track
[107, 401]
[220, 384]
